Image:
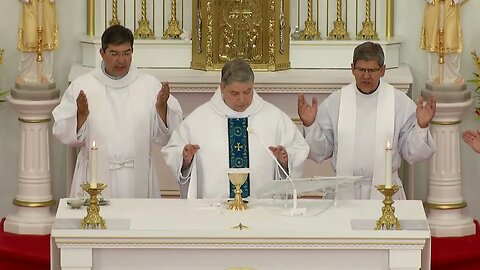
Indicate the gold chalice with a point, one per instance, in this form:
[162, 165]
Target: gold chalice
[238, 177]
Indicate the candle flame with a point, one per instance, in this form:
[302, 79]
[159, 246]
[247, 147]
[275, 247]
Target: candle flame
[388, 145]
[94, 145]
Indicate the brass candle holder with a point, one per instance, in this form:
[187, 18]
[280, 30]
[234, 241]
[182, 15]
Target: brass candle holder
[237, 178]
[93, 220]
[388, 220]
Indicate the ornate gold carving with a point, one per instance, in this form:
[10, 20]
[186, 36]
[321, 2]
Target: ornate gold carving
[368, 31]
[1, 56]
[199, 27]
[93, 220]
[310, 31]
[143, 31]
[388, 220]
[254, 30]
[173, 31]
[339, 30]
[114, 20]
[282, 24]
[240, 227]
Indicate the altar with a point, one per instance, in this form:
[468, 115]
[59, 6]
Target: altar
[202, 234]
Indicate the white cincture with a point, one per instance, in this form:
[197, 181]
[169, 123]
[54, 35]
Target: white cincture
[117, 165]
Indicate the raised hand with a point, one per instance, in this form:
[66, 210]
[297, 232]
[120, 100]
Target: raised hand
[472, 138]
[161, 104]
[281, 154]
[307, 112]
[425, 112]
[82, 109]
[189, 151]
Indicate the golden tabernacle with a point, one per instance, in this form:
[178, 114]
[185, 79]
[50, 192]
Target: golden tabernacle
[255, 30]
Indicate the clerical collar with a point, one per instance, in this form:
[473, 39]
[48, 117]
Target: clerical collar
[104, 69]
[359, 90]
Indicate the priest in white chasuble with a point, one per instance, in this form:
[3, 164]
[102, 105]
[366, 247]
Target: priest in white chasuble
[123, 111]
[353, 126]
[236, 128]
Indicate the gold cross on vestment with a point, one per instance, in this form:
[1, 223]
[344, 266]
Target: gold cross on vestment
[238, 146]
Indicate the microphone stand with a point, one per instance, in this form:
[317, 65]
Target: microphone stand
[294, 211]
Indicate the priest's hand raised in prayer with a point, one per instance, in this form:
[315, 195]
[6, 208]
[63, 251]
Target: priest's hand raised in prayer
[307, 112]
[161, 104]
[472, 138]
[82, 109]
[281, 154]
[425, 112]
[189, 150]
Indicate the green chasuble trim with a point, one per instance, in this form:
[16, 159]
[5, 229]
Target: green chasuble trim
[238, 150]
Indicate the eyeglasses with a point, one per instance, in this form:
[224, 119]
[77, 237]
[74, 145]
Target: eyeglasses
[116, 54]
[367, 70]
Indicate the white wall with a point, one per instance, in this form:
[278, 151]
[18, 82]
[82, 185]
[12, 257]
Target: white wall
[71, 14]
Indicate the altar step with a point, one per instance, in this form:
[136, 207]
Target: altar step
[24, 252]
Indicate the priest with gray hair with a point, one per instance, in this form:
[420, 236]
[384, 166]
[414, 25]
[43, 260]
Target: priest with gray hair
[236, 128]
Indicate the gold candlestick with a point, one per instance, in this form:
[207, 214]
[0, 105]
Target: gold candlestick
[339, 30]
[310, 31]
[388, 220]
[93, 220]
[143, 31]
[173, 31]
[114, 20]
[368, 30]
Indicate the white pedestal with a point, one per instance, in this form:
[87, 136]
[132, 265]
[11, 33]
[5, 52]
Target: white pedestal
[445, 199]
[34, 196]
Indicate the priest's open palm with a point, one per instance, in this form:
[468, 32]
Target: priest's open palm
[189, 150]
[307, 112]
[425, 112]
[281, 154]
[161, 104]
[472, 138]
[82, 109]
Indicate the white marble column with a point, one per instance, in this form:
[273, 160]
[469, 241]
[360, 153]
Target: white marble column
[445, 202]
[34, 195]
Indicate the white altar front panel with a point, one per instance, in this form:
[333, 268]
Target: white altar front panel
[199, 234]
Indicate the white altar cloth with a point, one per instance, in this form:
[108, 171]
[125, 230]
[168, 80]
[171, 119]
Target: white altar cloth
[199, 234]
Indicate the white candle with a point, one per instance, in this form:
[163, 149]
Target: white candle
[388, 166]
[93, 165]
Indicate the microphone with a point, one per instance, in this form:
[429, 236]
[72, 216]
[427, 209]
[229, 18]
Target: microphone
[295, 211]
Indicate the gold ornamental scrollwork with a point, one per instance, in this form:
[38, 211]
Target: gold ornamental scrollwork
[241, 33]
[199, 26]
[282, 24]
[254, 30]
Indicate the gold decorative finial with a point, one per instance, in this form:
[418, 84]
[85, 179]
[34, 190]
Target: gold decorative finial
[1, 56]
[368, 30]
[173, 31]
[143, 31]
[310, 31]
[339, 30]
[114, 20]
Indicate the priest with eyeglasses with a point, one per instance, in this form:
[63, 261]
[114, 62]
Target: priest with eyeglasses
[354, 125]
